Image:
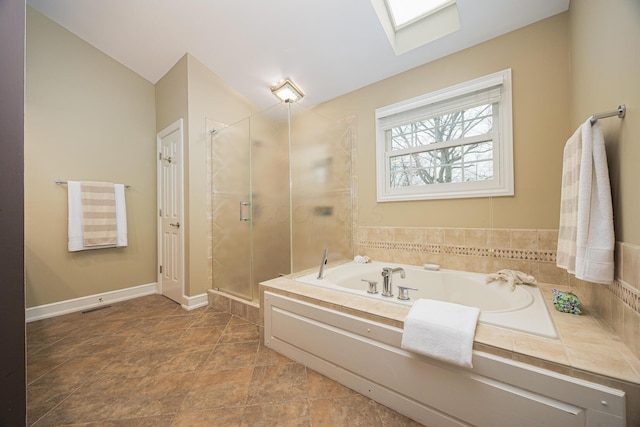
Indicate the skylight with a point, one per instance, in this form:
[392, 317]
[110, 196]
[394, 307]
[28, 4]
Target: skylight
[409, 24]
[405, 11]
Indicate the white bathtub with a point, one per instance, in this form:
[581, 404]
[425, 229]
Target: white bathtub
[522, 309]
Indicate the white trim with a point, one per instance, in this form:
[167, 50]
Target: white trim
[503, 182]
[88, 302]
[196, 301]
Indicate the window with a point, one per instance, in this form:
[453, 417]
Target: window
[452, 143]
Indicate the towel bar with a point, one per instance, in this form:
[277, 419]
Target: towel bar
[620, 112]
[59, 182]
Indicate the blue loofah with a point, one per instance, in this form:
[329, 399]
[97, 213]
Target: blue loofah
[566, 302]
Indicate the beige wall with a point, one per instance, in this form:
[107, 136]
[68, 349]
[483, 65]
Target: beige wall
[172, 104]
[87, 117]
[209, 98]
[606, 72]
[605, 53]
[539, 56]
[192, 92]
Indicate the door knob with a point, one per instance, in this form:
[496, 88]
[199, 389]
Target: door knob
[177, 225]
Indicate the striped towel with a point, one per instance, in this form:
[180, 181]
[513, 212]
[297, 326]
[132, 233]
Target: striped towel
[567, 234]
[98, 213]
[586, 237]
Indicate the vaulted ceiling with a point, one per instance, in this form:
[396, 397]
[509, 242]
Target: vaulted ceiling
[328, 47]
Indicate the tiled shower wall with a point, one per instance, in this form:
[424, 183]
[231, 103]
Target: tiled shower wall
[530, 251]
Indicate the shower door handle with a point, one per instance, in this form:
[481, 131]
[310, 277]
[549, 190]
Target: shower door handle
[242, 215]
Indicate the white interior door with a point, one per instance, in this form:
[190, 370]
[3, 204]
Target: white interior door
[171, 212]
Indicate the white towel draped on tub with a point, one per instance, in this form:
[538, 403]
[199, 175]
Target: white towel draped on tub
[441, 330]
[76, 220]
[586, 238]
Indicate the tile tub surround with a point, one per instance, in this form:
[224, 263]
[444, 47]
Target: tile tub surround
[532, 251]
[587, 347]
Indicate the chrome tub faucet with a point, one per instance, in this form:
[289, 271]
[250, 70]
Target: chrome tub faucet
[387, 277]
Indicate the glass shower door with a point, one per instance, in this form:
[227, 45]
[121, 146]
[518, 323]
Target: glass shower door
[231, 209]
[270, 194]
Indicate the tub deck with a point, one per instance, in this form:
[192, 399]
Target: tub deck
[586, 347]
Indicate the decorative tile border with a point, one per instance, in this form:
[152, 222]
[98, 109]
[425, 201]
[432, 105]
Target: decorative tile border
[507, 254]
[618, 288]
[626, 294]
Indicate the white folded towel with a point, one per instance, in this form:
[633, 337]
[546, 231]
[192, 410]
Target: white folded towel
[360, 259]
[75, 226]
[121, 216]
[441, 330]
[595, 239]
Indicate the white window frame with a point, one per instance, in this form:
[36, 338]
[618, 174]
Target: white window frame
[441, 102]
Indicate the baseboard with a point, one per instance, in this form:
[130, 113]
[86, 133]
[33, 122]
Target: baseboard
[196, 301]
[84, 303]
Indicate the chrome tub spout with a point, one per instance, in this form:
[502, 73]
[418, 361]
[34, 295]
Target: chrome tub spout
[325, 254]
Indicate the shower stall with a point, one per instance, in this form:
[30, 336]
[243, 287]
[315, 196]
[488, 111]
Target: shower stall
[281, 192]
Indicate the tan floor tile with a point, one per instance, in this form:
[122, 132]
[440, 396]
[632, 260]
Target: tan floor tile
[227, 417]
[234, 355]
[323, 387]
[287, 414]
[197, 337]
[218, 389]
[277, 383]
[266, 356]
[344, 412]
[242, 332]
[153, 421]
[189, 360]
[212, 319]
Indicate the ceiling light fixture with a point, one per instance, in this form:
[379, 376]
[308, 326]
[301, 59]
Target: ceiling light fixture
[286, 91]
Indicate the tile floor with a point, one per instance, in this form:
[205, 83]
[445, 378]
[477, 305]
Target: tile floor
[147, 362]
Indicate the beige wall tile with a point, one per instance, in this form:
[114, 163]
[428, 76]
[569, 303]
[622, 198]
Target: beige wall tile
[631, 331]
[476, 264]
[548, 240]
[238, 308]
[549, 273]
[408, 234]
[454, 236]
[218, 302]
[435, 236]
[453, 262]
[475, 237]
[498, 238]
[618, 261]
[630, 255]
[524, 239]
[427, 258]
[381, 234]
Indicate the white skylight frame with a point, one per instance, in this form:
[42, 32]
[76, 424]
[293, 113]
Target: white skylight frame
[424, 29]
[405, 12]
